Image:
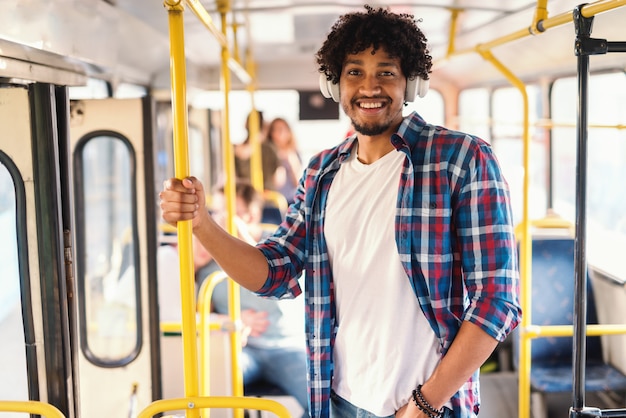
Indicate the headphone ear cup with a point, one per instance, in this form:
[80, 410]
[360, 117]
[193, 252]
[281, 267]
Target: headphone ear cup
[329, 89]
[422, 86]
[415, 87]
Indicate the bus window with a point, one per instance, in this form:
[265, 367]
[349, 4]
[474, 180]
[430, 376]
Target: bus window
[429, 107]
[606, 204]
[12, 352]
[94, 89]
[129, 91]
[474, 113]
[107, 257]
[507, 141]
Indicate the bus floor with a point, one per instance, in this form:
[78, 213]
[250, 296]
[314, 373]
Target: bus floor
[499, 398]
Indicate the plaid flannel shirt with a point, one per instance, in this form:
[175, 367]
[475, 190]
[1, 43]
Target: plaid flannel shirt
[454, 233]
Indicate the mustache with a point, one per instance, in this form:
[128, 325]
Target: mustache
[375, 97]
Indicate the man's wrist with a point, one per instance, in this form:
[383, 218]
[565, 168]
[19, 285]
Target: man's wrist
[423, 405]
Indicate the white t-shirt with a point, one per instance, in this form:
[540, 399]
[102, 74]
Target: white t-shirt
[384, 346]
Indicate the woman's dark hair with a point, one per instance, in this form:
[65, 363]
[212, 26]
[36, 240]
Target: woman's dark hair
[397, 34]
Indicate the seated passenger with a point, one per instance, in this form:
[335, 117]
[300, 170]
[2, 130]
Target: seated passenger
[168, 276]
[290, 168]
[274, 349]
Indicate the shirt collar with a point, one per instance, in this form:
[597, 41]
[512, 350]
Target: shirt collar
[408, 132]
[405, 137]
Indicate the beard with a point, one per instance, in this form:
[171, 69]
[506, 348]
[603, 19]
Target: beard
[370, 130]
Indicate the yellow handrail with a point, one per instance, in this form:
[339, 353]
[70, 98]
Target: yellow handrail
[205, 326]
[229, 194]
[550, 221]
[204, 309]
[181, 170]
[528, 331]
[587, 10]
[254, 131]
[593, 330]
[175, 11]
[31, 407]
[195, 403]
[523, 230]
[525, 247]
[277, 199]
[177, 327]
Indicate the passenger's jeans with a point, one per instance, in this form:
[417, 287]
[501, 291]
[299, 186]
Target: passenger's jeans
[284, 367]
[340, 408]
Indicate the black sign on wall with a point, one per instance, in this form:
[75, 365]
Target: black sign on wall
[314, 106]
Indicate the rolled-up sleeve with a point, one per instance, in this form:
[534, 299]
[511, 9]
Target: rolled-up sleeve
[285, 255]
[489, 258]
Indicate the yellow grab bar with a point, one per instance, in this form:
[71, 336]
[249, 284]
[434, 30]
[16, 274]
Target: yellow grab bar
[539, 331]
[204, 309]
[231, 402]
[31, 407]
[550, 221]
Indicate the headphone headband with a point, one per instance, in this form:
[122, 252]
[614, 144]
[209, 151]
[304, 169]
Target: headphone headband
[415, 87]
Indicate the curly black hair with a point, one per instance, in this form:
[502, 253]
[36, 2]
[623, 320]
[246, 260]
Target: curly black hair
[397, 34]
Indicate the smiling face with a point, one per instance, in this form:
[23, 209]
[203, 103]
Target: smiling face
[372, 92]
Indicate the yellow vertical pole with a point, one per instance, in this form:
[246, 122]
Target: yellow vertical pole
[229, 196]
[181, 170]
[454, 22]
[541, 14]
[256, 167]
[525, 247]
[256, 161]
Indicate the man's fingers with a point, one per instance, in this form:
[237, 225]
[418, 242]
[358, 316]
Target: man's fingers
[180, 199]
[182, 205]
[187, 185]
[188, 182]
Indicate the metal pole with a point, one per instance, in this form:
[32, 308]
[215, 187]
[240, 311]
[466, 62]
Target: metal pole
[181, 168]
[583, 30]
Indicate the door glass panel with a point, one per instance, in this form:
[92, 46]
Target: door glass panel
[109, 256]
[14, 383]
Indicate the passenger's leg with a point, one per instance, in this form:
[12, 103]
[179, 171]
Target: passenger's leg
[251, 366]
[287, 369]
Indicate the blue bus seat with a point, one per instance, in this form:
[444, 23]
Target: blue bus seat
[274, 207]
[261, 389]
[271, 215]
[553, 304]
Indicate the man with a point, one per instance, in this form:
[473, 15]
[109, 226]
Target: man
[404, 230]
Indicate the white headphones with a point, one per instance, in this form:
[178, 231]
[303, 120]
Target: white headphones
[414, 87]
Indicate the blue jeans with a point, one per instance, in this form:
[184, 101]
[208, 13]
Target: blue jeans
[284, 367]
[340, 408]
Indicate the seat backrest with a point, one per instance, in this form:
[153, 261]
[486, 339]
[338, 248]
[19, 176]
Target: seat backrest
[274, 207]
[271, 215]
[553, 284]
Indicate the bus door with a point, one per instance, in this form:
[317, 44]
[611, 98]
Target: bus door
[115, 205]
[35, 322]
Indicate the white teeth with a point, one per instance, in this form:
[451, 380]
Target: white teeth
[371, 105]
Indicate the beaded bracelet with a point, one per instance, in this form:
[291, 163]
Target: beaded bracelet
[420, 407]
[423, 404]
